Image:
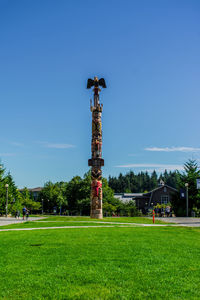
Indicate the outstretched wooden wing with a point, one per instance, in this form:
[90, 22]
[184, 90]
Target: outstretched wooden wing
[102, 83]
[90, 83]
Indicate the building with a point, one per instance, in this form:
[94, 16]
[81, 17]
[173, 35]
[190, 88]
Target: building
[144, 201]
[35, 192]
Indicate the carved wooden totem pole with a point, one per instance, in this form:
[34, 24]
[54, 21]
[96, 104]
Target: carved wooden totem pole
[96, 162]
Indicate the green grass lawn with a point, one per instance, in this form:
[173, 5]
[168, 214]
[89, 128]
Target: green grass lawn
[36, 224]
[143, 220]
[58, 221]
[101, 263]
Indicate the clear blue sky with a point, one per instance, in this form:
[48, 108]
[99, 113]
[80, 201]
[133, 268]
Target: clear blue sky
[147, 51]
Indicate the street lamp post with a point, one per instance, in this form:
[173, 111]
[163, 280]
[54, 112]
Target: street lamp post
[186, 185]
[42, 207]
[6, 186]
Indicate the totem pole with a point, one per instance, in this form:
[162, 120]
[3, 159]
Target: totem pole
[96, 162]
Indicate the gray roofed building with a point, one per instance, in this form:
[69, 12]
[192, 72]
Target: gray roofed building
[160, 195]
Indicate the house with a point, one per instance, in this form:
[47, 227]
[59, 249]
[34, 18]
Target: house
[144, 201]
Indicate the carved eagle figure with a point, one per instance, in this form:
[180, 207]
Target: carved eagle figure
[96, 83]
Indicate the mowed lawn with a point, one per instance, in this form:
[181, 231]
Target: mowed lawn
[57, 221]
[143, 220]
[101, 263]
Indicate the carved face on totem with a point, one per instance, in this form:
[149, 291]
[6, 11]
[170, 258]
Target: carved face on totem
[96, 148]
[96, 203]
[96, 127]
[96, 174]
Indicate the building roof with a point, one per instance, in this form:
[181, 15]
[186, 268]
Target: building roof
[37, 189]
[162, 186]
[131, 196]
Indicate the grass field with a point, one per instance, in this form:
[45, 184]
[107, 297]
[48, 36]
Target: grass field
[101, 263]
[57, 221]
[105, 219]
[36, 224]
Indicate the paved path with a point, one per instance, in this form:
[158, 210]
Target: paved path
[188, 222]
[182, 221]
[100, 226]
[8, 221]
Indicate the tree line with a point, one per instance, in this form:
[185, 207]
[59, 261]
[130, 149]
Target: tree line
[73, 197]
[69, 198]
[142, 182]
[10, 195]
[145, 182]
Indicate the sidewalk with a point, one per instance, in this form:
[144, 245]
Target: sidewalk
[10, 220]
[183, 221]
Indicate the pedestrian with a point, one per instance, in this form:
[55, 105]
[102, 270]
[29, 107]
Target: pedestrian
[27, 214]
[24, 212]
[159, 212]
[156, 211]
[18, 214]
[162, 212]
[167, 210]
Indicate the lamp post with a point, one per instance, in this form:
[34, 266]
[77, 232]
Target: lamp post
[42, 207]
[6, 186]
[186, 185]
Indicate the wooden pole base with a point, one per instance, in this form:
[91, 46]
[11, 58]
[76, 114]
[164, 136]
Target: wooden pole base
[96, 214]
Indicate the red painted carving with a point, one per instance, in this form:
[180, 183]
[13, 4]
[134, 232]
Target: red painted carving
[96, 185]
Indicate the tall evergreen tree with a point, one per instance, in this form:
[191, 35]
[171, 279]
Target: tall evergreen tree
[14, 197]
[191, 173]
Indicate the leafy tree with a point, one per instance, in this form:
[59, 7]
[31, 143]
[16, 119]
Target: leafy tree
[61, 199]
[29, 203]
[73, 193]
[17, 205]
[108, 193]
[53, 195]
[13, 195]
[109, 209]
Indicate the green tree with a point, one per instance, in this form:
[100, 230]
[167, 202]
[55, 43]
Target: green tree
[109, 209]
[14, 198]
[108, 193]
[61, 199]
[74, 194]
[2, 190]
[53, 195]
[28, 202]
[191, 173]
